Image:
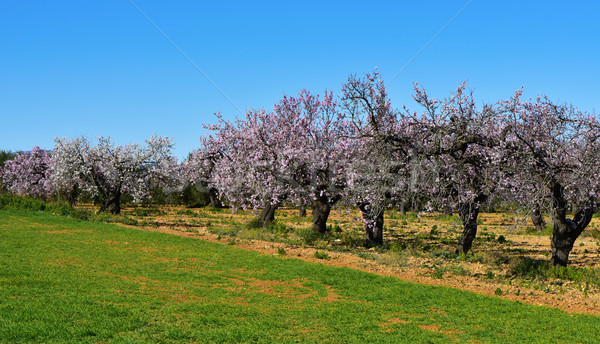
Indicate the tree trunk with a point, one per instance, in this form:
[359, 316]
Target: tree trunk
[213, 197]
[321, 209]
[267, 216]
[403, 207]
[373, 219]
[563, 239]
[566, 231]
[111, 203]
[537, 218]
[73, 195]
[302, 211]
[468, 213]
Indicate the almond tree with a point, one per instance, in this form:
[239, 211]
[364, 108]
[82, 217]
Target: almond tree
[458, 146]
[108, 171]
[227, 161]
[379, 174]
[557, 147]
[27, 173]
[198, 168]
[377, 180]
[446, 153]
[298, 152]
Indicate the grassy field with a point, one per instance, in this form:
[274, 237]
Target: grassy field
[64, 280]
[509, 256]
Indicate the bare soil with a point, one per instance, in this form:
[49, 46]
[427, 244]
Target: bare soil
[487, 271]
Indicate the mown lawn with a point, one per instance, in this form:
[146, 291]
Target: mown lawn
[65, 280]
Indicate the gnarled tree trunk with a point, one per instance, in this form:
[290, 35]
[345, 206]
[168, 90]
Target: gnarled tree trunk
[373, 219]
[111, 203]
[321, 210]
[566, 231]
[267, 215]
[537, 218]
[302, 211]
[468, 213]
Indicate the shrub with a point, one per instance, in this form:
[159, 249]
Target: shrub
[255, 223]
[459, 270]
[444, 254]
[308, 235]
[438, 273]
[273, 227]
[530, 268]
[10, 202]
[397, 246]
[586, 275]
[188, 212]
[367, 255]
[352, 239]
[321, 255]
[143, 212]
[278, 227]
[334, 228]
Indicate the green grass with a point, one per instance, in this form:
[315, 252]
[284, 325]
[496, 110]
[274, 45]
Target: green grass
[64, 280]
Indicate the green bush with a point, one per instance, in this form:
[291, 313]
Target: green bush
[585, 275]
[278, 227]
[444, 254]
[352, 239]
[308, 235]
[459, 270]
[255, 223]
[10, 202]
[322, 255]
[367, 255]
[334, 228]
[5, 156]
[273, 227]
[195, 195]
[188, 212]
[397, 246]
[438, 273]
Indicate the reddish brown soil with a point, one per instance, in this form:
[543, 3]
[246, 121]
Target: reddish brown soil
[567, 295]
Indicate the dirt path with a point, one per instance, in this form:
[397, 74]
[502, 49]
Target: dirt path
[569, 299]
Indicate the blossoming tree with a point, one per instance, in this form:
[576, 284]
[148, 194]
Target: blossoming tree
[298, 152]
[107, 170]
[446, 154]
[378, 176]
[459, 145]
[197, 170]
[556, 147]
[27, 173]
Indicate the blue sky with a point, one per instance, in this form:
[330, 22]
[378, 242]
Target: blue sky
[71, 68]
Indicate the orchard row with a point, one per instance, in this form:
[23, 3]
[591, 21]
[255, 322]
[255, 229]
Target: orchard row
[355, 149]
